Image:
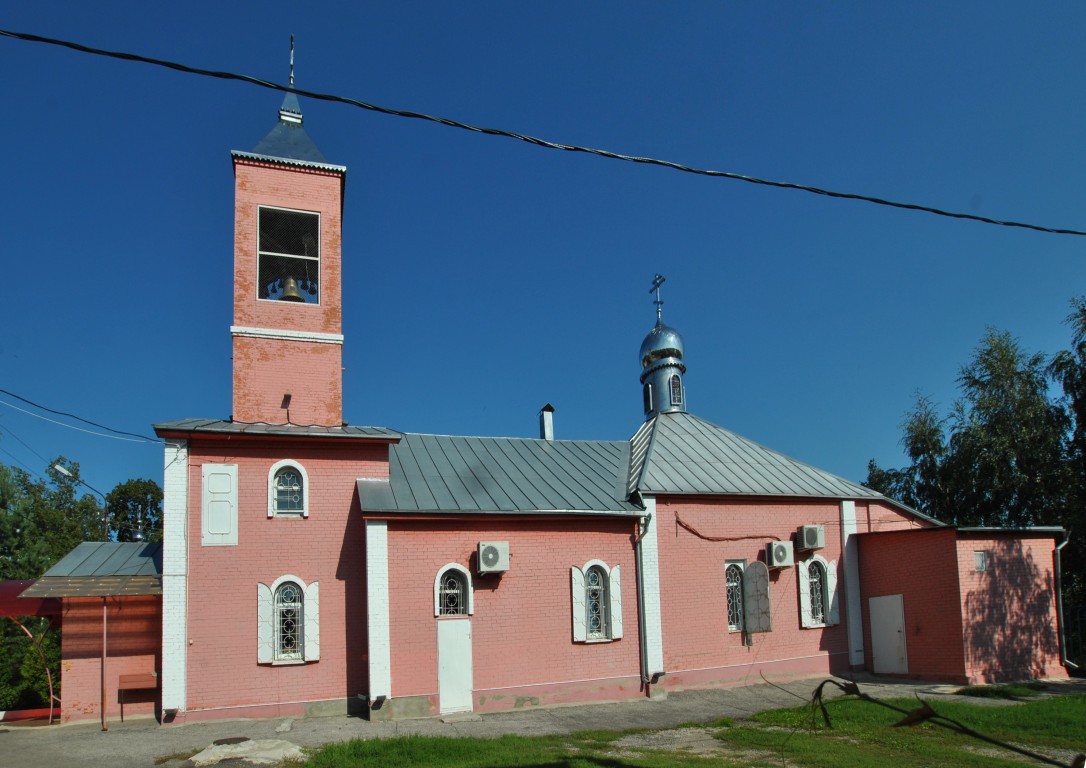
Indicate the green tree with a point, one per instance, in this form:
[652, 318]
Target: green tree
[135, 511]
[999, 458]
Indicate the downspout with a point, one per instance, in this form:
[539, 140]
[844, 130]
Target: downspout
[104, 726]
[647, 679]
[641, 635]
[1059, 603]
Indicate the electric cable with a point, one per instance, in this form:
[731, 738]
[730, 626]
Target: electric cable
[133, 57]
[77, 418]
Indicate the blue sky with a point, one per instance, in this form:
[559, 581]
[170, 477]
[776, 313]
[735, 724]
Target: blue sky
[485, 277]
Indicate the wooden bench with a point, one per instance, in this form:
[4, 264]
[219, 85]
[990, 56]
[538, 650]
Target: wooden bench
[140, 682]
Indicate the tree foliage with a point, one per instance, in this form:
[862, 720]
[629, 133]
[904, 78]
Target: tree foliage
[42, 520]
[135, 511]
[1011, 451]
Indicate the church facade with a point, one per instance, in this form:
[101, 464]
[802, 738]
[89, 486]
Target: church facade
[310, 566]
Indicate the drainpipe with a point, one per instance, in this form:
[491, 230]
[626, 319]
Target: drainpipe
[104, 726]
[1059, 603]
[646, 678]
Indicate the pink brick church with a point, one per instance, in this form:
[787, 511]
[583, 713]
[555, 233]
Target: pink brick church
[309, 566]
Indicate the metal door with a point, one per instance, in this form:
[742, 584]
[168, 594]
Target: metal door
[454, 672]
[888, 653]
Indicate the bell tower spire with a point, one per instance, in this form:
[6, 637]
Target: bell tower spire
[287, 331]
[662, 366]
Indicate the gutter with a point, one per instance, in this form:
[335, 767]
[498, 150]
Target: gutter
[1059, 603]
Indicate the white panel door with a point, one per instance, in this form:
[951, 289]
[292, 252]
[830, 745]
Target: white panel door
[888, 655]
[454, 674]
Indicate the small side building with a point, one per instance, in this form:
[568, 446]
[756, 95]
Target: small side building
[111, 608]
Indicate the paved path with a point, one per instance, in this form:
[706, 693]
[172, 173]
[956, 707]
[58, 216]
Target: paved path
[143, 743]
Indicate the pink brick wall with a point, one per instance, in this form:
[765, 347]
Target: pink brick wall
[266, 369]
[1009, 609]
[259, 369]
[522, 645]
[698, 648]
[922, 567]
[961, 625]
[327, 547]
[134, 632]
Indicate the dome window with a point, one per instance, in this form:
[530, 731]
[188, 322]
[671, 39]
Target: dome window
[676, 390]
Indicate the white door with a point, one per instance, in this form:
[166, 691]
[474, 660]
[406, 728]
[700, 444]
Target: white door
[454, 665]
[888, 655]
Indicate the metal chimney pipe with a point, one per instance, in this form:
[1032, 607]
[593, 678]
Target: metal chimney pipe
[546, 422]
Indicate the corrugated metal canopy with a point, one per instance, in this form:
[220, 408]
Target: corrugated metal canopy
[497, 475]
[103, 568]
[679, 453]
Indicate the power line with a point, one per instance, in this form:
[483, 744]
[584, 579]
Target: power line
[532, 139]
[130, 435]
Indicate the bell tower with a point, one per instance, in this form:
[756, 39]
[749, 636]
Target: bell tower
[287, 330]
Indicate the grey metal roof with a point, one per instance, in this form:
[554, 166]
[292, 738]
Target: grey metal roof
[98, 568]
[277, 430]
[499, 475]
[679, 453]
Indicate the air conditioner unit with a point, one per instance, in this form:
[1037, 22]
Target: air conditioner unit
[493, 556]
[778, 554]
[811, 537]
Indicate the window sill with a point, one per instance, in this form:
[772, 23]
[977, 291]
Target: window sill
[286, 663]
[596, 640]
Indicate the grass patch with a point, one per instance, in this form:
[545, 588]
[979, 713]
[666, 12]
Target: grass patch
[862, 736]
[862, 733]
[179, 756]
[1012, 691]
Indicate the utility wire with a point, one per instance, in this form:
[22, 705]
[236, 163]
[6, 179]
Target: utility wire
[531, 139]
[144, 438]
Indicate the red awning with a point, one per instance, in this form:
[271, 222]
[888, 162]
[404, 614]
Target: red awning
[11, 605]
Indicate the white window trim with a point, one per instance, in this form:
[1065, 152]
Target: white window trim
[265, 618]
[293, 464]
[832, 607]
[577, 602]
[437, 588]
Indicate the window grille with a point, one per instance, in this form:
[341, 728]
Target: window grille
[288, 255]
[453, 594]
[980, 561]
[289, 497]
[676, 391]
[288, 622]
[596, 602]
[816, 575]
[733, 578]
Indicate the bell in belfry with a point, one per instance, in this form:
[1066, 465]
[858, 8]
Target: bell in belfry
[290, 290]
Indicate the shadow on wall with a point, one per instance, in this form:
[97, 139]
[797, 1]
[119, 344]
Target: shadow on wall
[1010, 631]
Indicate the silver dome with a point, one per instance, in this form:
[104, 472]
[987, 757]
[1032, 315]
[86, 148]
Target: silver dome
[662, 342]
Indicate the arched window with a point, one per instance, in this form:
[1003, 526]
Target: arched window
[597, 621]
[288, 490]
[647, 391]
[289, 621]
[816, 585]
[596, 592]
[817, 592]
[452, 591]
[676, 390]
[733, 579]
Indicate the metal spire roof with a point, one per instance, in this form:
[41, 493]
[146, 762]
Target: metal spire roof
[288, 139]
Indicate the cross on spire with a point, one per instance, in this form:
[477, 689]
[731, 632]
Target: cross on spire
[291, 59]
[656, 283]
